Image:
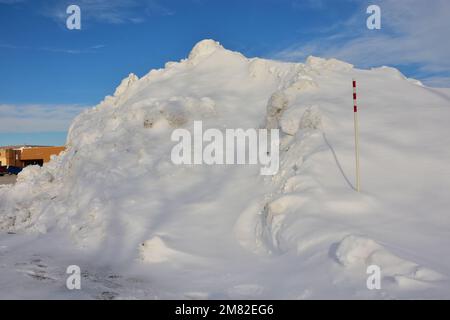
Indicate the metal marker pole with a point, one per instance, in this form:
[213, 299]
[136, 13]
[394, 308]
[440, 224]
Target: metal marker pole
[355, 114]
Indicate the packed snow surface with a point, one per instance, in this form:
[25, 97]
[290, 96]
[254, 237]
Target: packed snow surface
[140, 226]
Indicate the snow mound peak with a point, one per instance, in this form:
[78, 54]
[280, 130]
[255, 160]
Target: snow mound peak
[329, 64]
[125, 84]
[204, 48]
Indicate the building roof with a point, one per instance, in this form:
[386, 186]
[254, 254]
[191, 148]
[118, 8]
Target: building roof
[22, 146]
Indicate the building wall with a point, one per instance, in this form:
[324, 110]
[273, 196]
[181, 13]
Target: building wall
[2, 157]
[10, 157]
[24, 156]
[38, 153]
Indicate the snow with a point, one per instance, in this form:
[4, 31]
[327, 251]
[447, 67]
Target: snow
[141, 227]
[361, 250]
[156, 251]
[125, 84]
[354, 249]
[204, 48]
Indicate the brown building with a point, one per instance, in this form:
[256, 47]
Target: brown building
[22, 156]
[10, 157]
[38, 155]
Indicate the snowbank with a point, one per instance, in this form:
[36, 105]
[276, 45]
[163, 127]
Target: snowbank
[116, 196]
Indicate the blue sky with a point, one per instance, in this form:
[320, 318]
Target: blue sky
[49, 73]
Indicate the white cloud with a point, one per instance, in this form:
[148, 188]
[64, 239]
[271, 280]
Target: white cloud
[413, 33]
[36, 117]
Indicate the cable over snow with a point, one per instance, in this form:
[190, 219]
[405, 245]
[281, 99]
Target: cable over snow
[115, 204]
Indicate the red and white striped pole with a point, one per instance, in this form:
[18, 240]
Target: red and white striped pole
[355, 114]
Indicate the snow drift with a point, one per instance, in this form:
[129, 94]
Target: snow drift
[115, 199]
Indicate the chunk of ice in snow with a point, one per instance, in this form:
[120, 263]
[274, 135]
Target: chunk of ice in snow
[156, 251]
[355, 249]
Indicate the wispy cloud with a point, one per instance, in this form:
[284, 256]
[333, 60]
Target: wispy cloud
[36, 117]
[109, 11]
[437, 81]
[92, 49]
[412, 33]
[103, 11]
[314, 4]
[11, 1]
[12, 46]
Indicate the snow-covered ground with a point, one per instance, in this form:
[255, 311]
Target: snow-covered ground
[141, 227]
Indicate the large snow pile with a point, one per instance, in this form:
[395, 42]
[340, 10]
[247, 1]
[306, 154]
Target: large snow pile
[140, 226]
